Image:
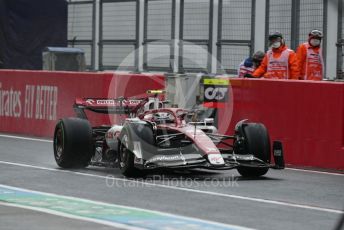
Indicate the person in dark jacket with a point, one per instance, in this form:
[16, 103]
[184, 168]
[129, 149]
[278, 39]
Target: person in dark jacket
[249, 65]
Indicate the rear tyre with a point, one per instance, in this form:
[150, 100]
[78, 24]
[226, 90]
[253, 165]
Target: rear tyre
[73, 143]
[134, 133]
[257, 142]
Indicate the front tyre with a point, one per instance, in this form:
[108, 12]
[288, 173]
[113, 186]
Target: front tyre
[131, 134]
[73, 143]
[257, 142]
[126, 155]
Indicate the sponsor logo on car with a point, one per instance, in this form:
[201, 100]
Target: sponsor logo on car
[90, 101]
[216, 159]
[134, 102]
[244, 158]
[166, 158]
[209, 149]
[105, 102]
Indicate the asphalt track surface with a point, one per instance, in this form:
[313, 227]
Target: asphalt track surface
[287, 199]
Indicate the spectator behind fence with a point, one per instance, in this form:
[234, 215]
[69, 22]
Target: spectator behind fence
[310, 58]
[250, 64]
[279, 62]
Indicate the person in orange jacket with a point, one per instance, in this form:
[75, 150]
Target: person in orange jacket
[279, 62]
[310, 58]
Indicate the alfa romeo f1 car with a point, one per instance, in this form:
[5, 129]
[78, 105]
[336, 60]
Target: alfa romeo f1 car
[154, 136]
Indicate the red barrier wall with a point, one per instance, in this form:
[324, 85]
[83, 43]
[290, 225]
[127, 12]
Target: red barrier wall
[308, 117]
[32, 101]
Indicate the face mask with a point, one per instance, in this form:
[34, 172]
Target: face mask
[314, 42]
[276, 45]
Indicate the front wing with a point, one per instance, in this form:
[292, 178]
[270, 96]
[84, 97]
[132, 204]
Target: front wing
[184, 158]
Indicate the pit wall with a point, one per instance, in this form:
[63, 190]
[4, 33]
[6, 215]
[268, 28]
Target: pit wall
[32, 101]
[308, 117]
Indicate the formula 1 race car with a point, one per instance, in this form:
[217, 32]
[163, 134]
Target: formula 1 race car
[153, 136]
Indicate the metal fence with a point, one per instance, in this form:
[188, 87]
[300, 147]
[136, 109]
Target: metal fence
[279, 18]
[294, 19]
[118, 36]
[159, 33]
[195, 34]
[235, 32]
[111, 32]
[81, 28]
[340, 43]
[311, 16]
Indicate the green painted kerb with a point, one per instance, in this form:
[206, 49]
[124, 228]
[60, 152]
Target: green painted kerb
[128, 216]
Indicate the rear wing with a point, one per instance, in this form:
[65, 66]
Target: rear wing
[107, 105]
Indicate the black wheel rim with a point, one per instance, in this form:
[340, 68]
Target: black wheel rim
[59, 143]
[123, 151]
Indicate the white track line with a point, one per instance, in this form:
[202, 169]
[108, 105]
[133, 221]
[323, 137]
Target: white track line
[25, 138]
[246, 198]
[111, 205]
[317, 172]
[292, 169]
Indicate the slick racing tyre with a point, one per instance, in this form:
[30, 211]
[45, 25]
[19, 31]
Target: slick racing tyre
[73, 144]
[258, 144]
[134, 134]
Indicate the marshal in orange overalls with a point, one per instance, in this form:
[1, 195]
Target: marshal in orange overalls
[278, 63]
[310, 62]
